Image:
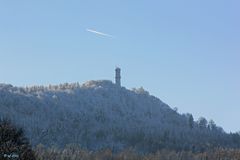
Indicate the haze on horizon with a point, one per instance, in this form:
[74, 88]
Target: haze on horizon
[184, 52]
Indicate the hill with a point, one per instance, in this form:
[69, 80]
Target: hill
[100, 114]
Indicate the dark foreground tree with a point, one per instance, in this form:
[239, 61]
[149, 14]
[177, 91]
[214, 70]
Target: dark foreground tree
[13, 144]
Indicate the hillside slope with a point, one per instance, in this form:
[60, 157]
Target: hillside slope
[99, 114]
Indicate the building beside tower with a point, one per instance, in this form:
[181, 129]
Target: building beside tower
[118, 76]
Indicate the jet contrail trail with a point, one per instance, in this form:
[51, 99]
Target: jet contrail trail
[99, 33]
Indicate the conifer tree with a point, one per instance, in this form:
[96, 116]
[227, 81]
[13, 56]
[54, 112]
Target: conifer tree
[13, 144]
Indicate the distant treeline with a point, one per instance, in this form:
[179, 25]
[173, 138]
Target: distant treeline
[98, 115]
[14, 145]
[73, 152]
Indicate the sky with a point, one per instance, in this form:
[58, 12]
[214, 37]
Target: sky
[184, 52]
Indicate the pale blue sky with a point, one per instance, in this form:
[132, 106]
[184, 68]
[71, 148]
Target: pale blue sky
[185, 52]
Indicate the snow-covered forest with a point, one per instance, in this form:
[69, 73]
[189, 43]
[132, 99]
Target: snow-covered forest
[99, 114]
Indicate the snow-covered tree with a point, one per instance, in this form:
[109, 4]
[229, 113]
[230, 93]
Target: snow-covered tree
[99, 114]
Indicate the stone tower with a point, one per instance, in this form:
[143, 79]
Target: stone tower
[118, 76]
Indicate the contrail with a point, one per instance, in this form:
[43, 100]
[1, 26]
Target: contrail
[99, 33]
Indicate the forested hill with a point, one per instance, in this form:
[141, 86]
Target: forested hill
[100, 114]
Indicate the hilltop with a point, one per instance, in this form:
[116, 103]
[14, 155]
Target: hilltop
[101, 114]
